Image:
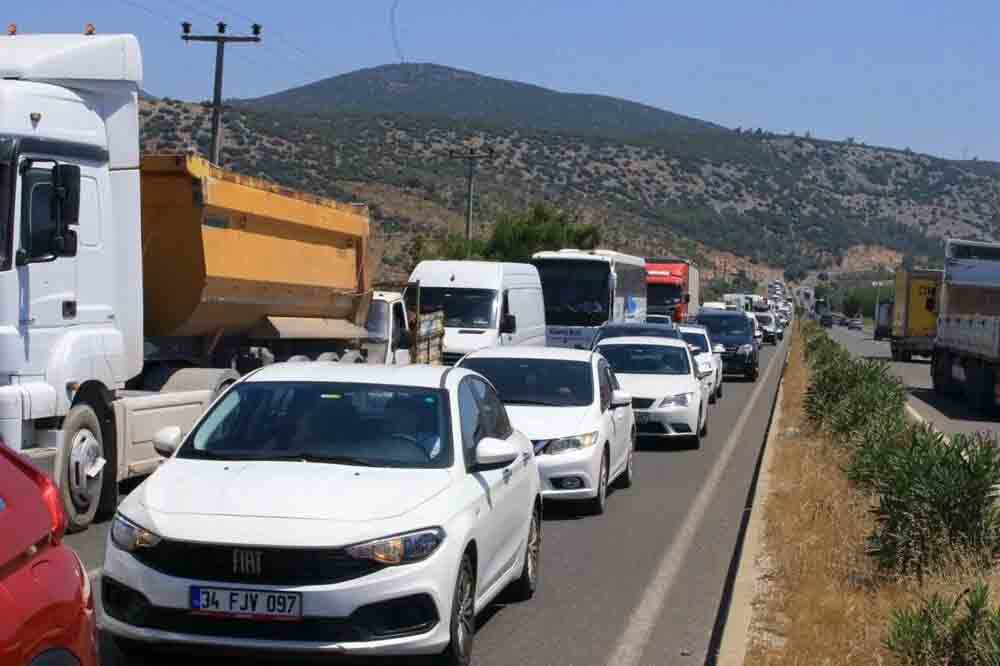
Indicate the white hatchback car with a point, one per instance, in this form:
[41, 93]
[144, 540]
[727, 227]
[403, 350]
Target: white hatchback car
[568, 402]
[706, 356]
[329, 508]
[668, 395]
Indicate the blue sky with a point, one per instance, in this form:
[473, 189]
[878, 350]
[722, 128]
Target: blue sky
[887, 72]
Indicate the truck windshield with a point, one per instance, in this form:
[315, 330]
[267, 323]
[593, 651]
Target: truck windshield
[577, 293]
[463, 308]
[661, 295]
[6, 195]
[377, 324]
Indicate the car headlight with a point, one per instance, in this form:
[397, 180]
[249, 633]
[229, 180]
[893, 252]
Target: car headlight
[679, 400]
[745, 349]
[399, 549]
[572, 443]
[131, 537]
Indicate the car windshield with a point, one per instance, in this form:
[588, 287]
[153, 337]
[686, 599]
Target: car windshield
[545, 382]
[699, 341]
[463, 308]
[663, 295]
[356, 424]
[377, 323]
[6, 195]
[637, 331]
[727, 326]
[576, 293]
[646, 359]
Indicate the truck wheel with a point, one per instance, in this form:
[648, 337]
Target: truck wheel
[82, 474]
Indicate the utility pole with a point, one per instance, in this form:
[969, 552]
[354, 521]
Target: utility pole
[220, 39]
[471, 157]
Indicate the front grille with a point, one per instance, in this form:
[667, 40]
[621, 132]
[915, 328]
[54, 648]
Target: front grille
[642, 403]
[404, 616]
[451, 358]
[278, 566]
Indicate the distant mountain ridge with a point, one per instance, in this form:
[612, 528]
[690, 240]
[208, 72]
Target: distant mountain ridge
[427, 89]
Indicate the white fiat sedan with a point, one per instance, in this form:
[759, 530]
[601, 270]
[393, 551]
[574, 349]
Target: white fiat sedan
[568, 402]
[668, 395]
[322, 507]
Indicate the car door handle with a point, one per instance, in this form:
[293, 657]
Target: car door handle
[525, 458]
[69, 309]
[507, 473]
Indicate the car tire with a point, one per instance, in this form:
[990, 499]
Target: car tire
[600, 502]
[718, 391]
[524, 587]
[704, 427]
[81, 497]
[711, 397]
[463, 617]
[695, 440]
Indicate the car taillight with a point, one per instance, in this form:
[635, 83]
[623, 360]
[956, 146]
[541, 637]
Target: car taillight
[49, 492]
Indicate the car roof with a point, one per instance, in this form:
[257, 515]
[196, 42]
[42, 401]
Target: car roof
[425, 376]
[636, 340]
[550, 353]
[690, 328]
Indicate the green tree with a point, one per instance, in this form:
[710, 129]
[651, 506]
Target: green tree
[517, 236]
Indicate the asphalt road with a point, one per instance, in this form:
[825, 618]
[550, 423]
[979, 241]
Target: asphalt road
[948, 414]
[641, 584]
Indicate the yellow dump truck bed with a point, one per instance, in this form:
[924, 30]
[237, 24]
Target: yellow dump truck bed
[911, 317]
[223, 252]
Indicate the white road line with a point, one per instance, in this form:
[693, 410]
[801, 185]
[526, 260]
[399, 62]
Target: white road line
[643, 619]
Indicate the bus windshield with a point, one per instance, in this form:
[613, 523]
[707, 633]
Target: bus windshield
[577, 293]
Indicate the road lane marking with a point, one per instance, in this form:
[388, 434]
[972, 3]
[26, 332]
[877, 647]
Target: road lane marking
[643, 618]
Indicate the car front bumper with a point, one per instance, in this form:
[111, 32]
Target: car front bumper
[668, 421]
[333, 619]
[557, 469]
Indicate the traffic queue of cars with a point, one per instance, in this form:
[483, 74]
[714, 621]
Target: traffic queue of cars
[355, 509]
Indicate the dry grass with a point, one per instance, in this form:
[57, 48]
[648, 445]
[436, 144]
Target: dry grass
[822, 601]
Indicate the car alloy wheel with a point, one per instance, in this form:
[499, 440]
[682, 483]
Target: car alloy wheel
[599, 503]
[524, 587]
[463, 616]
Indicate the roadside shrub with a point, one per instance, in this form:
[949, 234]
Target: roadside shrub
[960, 632]
[935, 502]
[871, 445]
[869, 391]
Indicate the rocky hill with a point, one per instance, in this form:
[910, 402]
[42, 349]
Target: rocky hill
[729, 199]
[425, 89]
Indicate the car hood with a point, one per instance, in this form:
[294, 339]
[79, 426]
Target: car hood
[286, 489]
[657, 386]
[537, 422]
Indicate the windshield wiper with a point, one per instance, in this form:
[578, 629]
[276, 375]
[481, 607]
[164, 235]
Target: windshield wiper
[315, 457]
[540, 403]
[212, 455]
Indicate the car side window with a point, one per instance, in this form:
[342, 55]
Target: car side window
[493, 416]
[468, 410]
[604, 384]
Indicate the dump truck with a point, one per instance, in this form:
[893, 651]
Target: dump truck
[135, 291]
[914, 325]
[966, 358]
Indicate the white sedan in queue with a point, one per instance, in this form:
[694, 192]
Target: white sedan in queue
[705, 355]
[568, 402]
[329, 508]
[668, 395]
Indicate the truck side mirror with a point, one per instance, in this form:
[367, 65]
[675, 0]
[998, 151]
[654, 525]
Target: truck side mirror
[508, 324]
[66, 188]
[64, 245]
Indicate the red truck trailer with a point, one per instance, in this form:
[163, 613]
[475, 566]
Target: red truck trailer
[672, 287]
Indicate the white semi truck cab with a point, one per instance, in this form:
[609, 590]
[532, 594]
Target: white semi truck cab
[71, 297]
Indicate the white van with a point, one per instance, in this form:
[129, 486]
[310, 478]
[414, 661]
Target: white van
[485, 304]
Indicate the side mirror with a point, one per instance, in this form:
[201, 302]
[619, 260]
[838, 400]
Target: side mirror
[620, 398]
[166, 440]
[492, 452]
[64, 245]
[66, 189]
[718, 349]
[508, 324]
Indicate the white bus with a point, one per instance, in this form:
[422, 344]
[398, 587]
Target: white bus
[586, 288]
